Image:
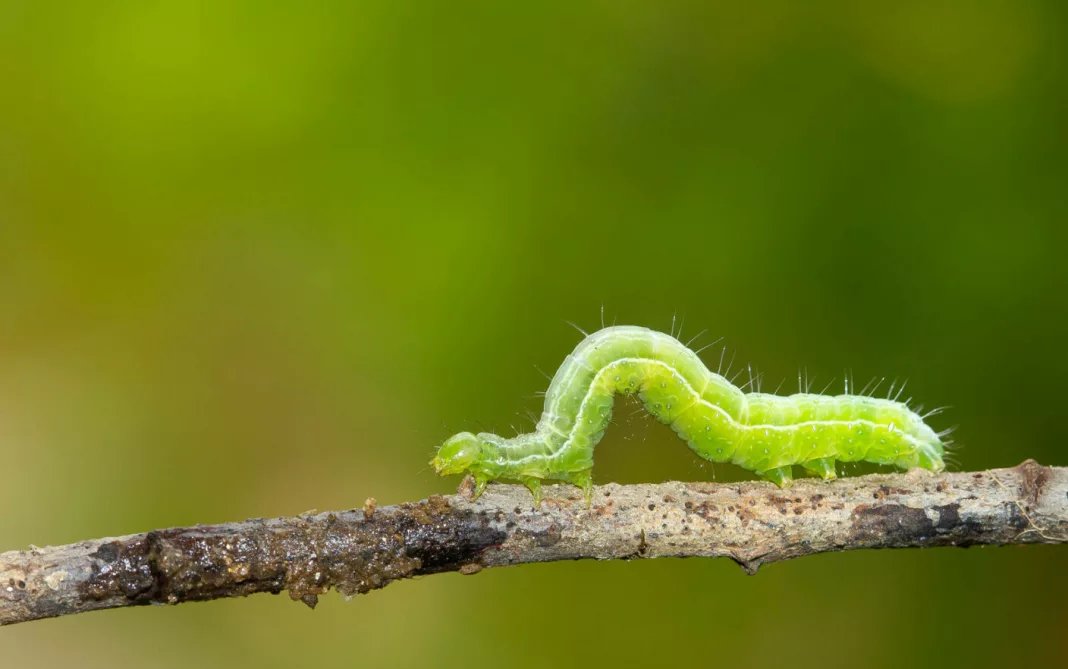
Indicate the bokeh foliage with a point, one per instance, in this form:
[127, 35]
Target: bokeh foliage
[261, 257]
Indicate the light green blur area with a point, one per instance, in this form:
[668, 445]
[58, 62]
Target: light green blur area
[258, 258]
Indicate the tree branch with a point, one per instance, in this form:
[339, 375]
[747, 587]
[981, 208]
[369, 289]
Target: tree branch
[359, 550]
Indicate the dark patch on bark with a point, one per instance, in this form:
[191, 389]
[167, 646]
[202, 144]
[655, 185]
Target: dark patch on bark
[891, 522]
[124, 570]
[549, 537]
[354, 554]
[885, 491]
[948, 517]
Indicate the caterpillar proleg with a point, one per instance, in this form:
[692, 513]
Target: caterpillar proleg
[764, 433]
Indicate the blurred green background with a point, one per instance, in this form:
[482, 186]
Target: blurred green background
[262, 257]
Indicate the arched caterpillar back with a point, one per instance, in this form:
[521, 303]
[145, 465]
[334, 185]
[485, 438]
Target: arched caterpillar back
[766, 434]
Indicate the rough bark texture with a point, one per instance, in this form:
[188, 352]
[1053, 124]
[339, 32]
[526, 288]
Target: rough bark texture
[360, 550]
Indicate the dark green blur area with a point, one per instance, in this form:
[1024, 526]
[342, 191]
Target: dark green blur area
[261, 257]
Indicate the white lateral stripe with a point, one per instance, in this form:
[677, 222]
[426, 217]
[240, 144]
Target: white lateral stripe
[569, 438]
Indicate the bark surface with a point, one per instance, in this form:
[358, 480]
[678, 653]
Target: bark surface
[359, 550]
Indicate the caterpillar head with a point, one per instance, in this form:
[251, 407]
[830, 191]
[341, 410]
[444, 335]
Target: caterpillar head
[458, 454]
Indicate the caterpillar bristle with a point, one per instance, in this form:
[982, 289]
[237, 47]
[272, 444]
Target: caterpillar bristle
[934, 412]
[749, 383]
[695, 337]
[709, 345]
[946, 432]
[584, 333]
[901, 389]
[730, 364]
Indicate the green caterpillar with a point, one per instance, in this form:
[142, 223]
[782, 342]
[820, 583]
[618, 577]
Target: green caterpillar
[764, 433]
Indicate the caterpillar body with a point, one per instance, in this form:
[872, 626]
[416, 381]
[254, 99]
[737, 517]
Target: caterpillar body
[764, 433]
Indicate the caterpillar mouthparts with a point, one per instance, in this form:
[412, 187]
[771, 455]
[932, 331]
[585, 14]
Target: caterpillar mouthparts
[764, 433]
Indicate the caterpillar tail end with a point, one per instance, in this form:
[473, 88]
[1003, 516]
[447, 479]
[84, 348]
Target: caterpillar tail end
[931, 460]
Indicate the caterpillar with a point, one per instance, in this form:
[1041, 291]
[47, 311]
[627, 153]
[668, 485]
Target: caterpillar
[765, 433]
